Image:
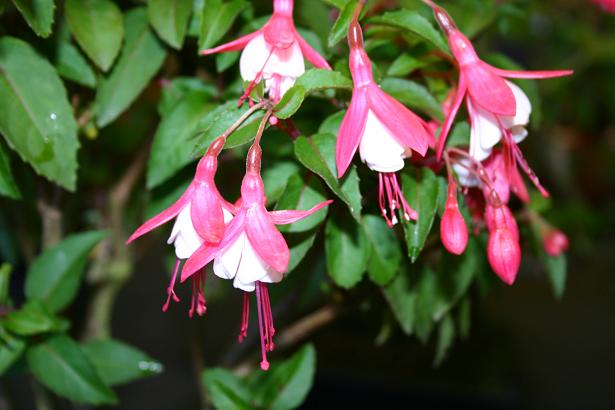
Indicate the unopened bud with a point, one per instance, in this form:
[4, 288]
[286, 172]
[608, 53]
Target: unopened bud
[453, 229]
[253, 160]
[555, 242]
[504, 254]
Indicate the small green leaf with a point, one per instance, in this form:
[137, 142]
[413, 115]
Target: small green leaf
[38, 14]
[459, 136]
[404, 65]
[170, 19]
[54, 277]
[401, 297]
[415, 24]
[73, 66]
[413, 95]
[172, 147]
[119, 363]
[37, 121]
[385, 255]
[218, 17]
[5, 284]
[340, 27]
[318, 155]
[226, 390]
[288, 383]
[302, 193]
[290, 102]
[276, 177]
[556, 272]
[347, 251]
[174, 91]
[299, 244]
[97, 26]
[8, 187]
[11, 349]
[60, 364]
[317, 79]
[446, 337]
[421, 190]
[141, 58]
[30, 320]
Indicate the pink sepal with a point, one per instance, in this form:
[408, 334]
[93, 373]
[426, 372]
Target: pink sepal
[351, 130]
[234, 45]
[452, 113]
[266, 240]
[403, 124]
[312, 56]
[528, 74]
[164, 216]
[289, 217]
[489, 90]
[206, 214]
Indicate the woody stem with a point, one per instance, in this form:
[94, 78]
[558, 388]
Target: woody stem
[244, 117]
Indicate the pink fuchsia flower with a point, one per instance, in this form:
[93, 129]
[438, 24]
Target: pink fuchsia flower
[496, 108]
[381, 128]
[200, 216]
[503, 249]
[453, 229]
[607, 5]
[252, 252]
[275, 53]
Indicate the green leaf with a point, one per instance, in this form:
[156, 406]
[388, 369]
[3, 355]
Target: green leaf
[11, 349]
[459, 136]
[340, 27]
[73, 66]
[404, 65]
[385, 255]
[219, 120]
[174, 91]
[35, 116]
[413, 95]
[218, 17]
[226, 390]
[60, 364]
[31, 319]
[38, 14]
[172, 147]
[141, 58]
[276, 177]
[119, 363]
[318, 79]
[54, 277]
[5, 284]
[318, 155]
[8, 187]
[290, 102]
[288, 383]
[302, 193]
[556, 272]
[446, 337]
[97, 27]
[347, 251]
[170, 19]
[464, 317]
[421, 190]
[401, 297]
[415, 24]
[299, 244]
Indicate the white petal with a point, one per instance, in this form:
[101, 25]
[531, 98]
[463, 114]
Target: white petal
[252, 268]
[485, 132]
[226, 264]
[246, 287]
[184, 236]
[466, 178]
[257, 57]
[378, 148]
[253, 58]
[519, 133]
[227, 216]
[524, 108]
[287, 62]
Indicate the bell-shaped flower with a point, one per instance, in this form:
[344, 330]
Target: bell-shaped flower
[274, 53]
[200, 217]
[453, 229]
[252, 252]
[496, 107]
[381, 128]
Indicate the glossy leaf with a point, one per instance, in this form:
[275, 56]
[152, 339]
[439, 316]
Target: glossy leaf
[175, 90]
[141, 58]
[38, 14]
[73, 66]
[54, 277]
[422, 190]
[401, 297]
[413, 95]
[11, 349]
[98, 28]
[226, 390]
[119, 363]
[318, 79]
[31, 319]
[404, 65]
[385, 255]
[556, 272]
[276, 177]
[415, 24]
[290, 102]
[318, 155]
[8, 187]
[340, 27]
[172, 145]
[347, 251]
[217, 18]
[170, 19]
[60, 364]
[37, 121]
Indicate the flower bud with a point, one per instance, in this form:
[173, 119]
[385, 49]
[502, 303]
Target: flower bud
[453, 229]
[498, 217]
[555, 242]
[504, 254]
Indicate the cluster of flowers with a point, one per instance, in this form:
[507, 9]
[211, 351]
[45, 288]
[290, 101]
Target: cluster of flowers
[241, 238]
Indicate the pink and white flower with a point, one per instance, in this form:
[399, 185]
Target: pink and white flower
[383, 130]
[275, 53]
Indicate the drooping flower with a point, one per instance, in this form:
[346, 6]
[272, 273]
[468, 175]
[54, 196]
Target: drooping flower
[453, 229]
[274, 53]
[200, 217]
[497, 108]
[252, 252]
[381, 128]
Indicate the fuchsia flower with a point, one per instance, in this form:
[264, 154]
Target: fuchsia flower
[497, 108]
[273, 53]
[453, 229]
[252, 252]
[384, 131]
[200, 217]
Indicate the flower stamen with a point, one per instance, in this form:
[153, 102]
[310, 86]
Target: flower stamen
[171, 288]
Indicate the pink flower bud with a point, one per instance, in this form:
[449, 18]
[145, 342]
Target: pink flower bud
[498, 217]
[504, 254]
[555, 242]
[453, 229]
